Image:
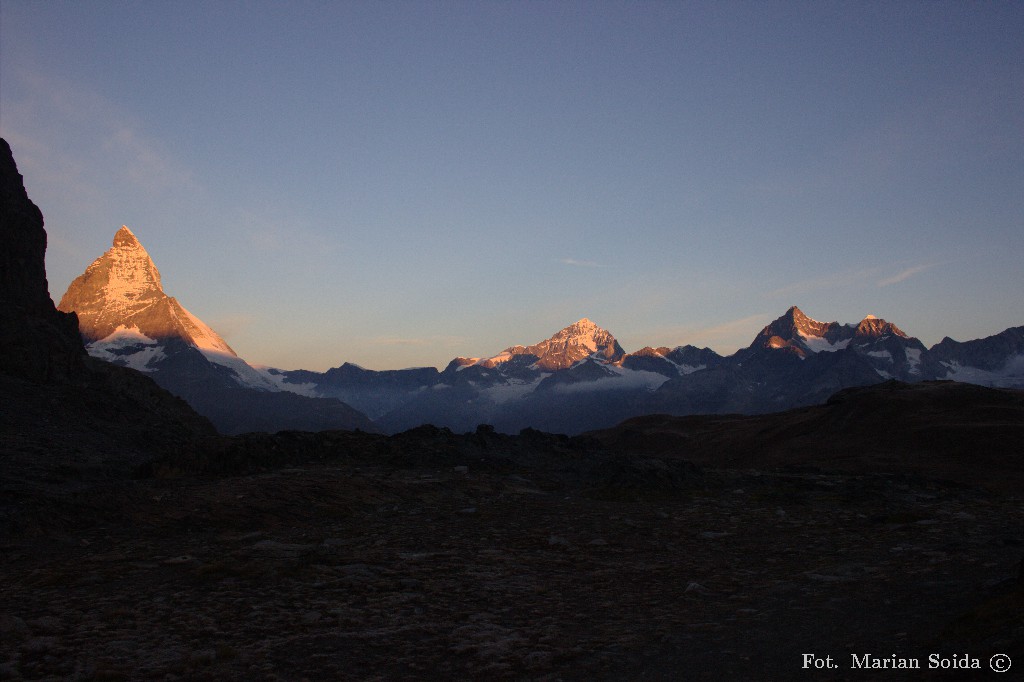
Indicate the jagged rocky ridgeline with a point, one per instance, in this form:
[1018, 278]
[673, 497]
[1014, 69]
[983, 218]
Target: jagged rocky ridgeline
[580, 378]
[577, 380]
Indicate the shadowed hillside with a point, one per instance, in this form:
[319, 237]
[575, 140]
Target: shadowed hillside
[937, 429]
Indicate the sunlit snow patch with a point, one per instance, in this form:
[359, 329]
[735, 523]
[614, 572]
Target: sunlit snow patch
[245, 374]
[129, 347]
[819, 344]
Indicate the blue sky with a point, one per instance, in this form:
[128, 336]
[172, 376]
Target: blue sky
[396, 184]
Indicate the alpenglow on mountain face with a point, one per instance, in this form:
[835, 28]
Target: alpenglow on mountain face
[120, 295]
[801, 335]
[582, 339]
[578, 379]
[126, 319]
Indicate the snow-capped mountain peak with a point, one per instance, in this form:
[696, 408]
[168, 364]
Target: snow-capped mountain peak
[874, 327]
[121, 290]
[801, 334]
[582, 333]
[580, 340]
[126, 238]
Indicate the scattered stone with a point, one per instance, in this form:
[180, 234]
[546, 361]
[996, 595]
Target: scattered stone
[319, 596]
[12, 627]
[46, 625]
[282, 549]
[829, 578]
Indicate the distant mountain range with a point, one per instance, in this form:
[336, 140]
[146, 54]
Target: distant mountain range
[579, 379]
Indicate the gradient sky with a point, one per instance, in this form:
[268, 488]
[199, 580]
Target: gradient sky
[398, 183]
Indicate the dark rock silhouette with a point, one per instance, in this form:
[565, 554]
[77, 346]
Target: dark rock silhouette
[37, 341]
[67, 420]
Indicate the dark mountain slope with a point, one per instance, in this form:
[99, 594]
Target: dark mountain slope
[937, 429]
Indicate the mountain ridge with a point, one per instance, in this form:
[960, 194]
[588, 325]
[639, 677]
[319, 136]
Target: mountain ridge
[794, 361]
[580, 378]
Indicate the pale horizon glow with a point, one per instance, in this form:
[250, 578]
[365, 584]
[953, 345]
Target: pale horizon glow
[396, 184]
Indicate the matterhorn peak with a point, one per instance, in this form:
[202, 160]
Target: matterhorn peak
[120, 292]
[126, 237]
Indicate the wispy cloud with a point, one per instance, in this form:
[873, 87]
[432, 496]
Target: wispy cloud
[849, 278]
[580, 263]
[904, 274]
[832, 281]
[74, 133]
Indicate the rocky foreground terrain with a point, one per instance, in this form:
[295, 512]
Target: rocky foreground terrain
[429, 555]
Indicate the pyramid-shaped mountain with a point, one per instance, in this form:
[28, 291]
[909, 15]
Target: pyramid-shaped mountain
[126, 318]
[121, 293]
[802, 335]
